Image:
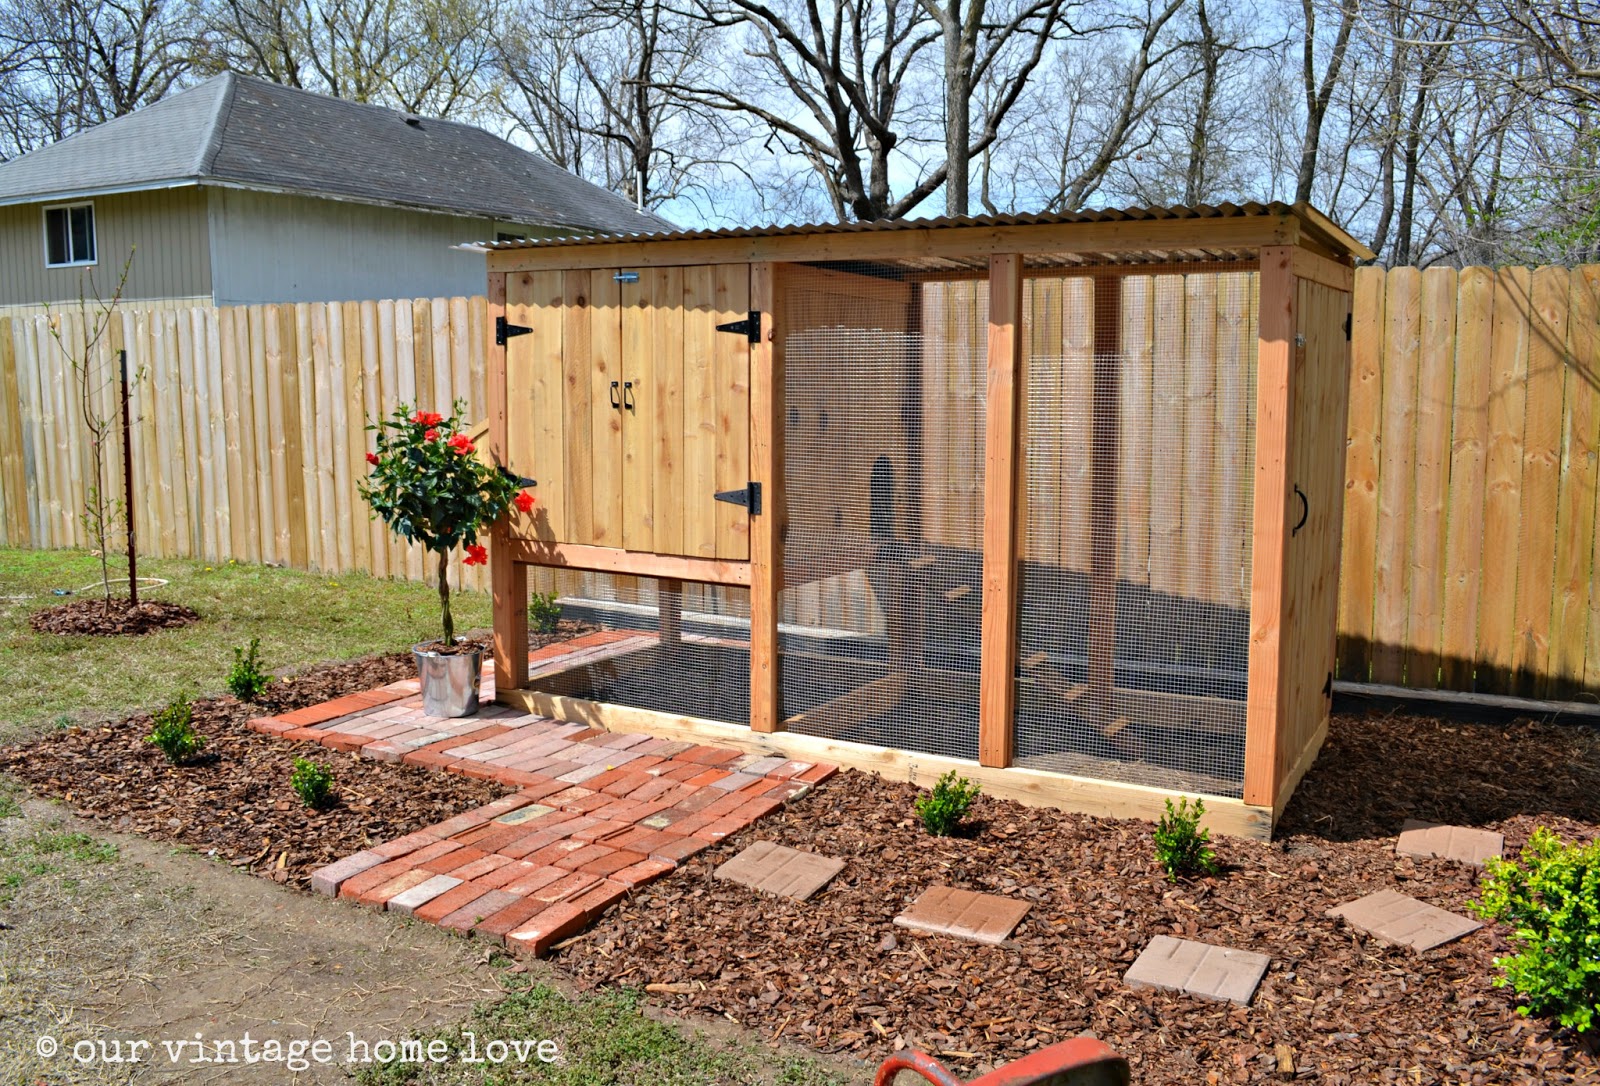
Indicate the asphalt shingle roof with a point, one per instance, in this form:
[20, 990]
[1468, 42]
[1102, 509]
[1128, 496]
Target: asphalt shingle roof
[235, 130]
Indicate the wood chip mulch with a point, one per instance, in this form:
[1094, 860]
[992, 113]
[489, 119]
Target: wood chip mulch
[234, 801]
[99, 616]
[1334, 1008]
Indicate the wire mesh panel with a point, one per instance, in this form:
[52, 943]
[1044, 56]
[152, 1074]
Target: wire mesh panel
[667, 646]
[1134, 593]
[883, 472]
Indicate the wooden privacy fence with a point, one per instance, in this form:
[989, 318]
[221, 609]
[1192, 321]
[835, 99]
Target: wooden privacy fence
[1470, 535]
[249, 433]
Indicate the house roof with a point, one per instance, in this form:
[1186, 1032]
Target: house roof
[1313, 222]
[236, 131]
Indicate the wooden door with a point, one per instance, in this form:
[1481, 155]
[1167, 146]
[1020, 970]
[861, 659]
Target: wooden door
[630, 409]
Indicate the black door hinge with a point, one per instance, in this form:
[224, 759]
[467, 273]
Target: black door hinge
[749, 497]
[520, 480]
[750, 327]
[1347, 328]
[504, 330]
[1327, 687]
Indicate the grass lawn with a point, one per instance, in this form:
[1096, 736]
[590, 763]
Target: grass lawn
[301, 619]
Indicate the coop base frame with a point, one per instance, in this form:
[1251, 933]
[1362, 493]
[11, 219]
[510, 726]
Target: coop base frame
[1034, 787]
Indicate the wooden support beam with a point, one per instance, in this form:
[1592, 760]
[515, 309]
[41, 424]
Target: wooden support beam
[508, 578]
[1002, 482]
[1264, 714]
[766, 469]
[669, 602]
[1034, 787]
[1106, 412]
[634, 563]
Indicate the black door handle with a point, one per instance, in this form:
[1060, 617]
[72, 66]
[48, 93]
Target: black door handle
[1305, 510]
[627, 395]
[616, 404]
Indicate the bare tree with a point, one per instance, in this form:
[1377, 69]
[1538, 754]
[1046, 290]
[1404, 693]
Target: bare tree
[1318, 87]
[595, 77]
[84, 345]
[71, 64]
[422, 56]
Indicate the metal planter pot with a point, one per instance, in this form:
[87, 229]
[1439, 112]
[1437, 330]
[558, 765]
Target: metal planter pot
[449, 681]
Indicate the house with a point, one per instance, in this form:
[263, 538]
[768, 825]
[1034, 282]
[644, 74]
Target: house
[238, 191]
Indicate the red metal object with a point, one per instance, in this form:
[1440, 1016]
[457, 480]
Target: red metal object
[1081, 1061]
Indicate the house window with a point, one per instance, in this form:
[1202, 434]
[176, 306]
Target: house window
[68, 235]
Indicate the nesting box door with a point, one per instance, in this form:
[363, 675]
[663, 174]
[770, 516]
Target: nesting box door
[630, 409]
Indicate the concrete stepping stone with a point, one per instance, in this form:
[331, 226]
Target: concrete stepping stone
[1463, 844]
[965, 914]
[779, 869]
[1198, 969]
[1404, 921]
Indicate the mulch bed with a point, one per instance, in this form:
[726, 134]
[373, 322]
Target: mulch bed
[113, 616]
[234, 800]
[836, 974]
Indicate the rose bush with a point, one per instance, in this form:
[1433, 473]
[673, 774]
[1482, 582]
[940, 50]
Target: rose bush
[430, 489]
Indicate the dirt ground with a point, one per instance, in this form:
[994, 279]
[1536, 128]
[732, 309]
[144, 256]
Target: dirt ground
[159, 944]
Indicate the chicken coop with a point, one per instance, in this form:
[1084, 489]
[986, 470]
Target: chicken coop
[1052, 501]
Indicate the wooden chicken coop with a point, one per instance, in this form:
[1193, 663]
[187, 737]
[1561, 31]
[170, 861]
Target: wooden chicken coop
[1052, 501]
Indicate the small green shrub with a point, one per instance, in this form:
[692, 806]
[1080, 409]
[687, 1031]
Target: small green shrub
[1182, 848]
[246, 680]
[946, 804]
[544, 612]
[173, 731]
[1552, 900]
[312, 782]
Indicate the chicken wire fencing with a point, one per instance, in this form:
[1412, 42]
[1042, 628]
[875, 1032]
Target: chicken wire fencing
[1134, 580]
[883, 472]
[666, 646]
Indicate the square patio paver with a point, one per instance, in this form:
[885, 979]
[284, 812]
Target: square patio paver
[1404, 921]
[1198, 969]
[1463, 844]
[779, 869]
[945, 910]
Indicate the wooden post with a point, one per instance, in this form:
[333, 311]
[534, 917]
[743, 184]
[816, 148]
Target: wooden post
[1264, 712]
[669, 605]
[508, 578]
[1103, 498]
[1002, 479]
[766, 469]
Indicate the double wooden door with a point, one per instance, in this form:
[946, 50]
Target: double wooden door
[630, 409]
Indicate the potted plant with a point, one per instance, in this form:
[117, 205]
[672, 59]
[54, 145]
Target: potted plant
[430, 489]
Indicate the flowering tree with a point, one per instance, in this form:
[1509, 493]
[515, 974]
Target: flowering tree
[429, 488]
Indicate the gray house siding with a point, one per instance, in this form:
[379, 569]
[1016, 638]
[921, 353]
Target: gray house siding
[268, 247]
[165, 229]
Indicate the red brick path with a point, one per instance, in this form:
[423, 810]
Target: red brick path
[597, 813]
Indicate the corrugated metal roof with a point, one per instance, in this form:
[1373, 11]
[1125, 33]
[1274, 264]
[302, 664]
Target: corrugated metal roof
[1318, 224]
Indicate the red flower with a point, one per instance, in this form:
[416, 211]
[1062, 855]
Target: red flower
[461, 444]
[476, 555]
[524, 501]
[430, 435]
[372, 458]
[427, 418]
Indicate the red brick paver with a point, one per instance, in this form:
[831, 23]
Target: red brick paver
[595, 813]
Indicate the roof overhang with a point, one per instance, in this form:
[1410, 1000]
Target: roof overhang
[1225, 233]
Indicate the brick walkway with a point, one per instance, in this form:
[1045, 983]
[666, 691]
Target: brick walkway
[596, 813]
